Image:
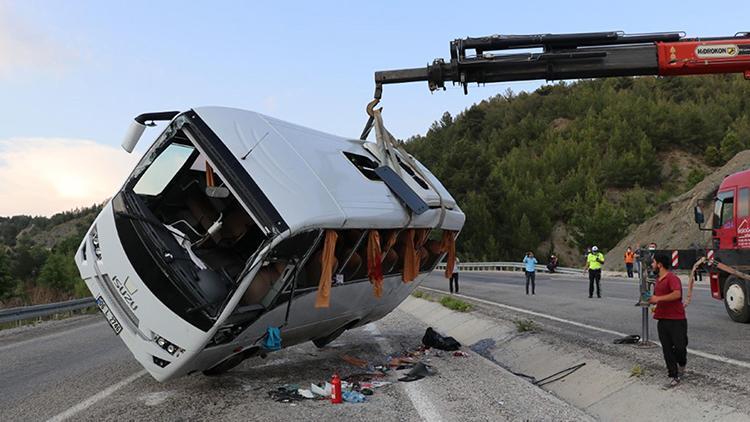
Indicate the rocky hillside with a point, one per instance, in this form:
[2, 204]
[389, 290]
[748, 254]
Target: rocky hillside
[673, 226]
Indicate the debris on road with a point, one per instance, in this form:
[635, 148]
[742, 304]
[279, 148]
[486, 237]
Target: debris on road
[433, 339]
[353, 397]
[419, 371]
[360, 363]
[357, 386]
[286, 394]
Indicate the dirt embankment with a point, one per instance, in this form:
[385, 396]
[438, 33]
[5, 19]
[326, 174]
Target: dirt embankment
[673, 226]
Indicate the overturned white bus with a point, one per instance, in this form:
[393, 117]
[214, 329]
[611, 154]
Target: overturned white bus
[234, 222]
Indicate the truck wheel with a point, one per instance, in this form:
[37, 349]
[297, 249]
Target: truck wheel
[735, 300]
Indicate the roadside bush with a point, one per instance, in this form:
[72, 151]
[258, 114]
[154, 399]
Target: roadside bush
[526, 325]
[455, 304]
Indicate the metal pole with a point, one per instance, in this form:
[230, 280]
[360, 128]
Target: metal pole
[644, 310]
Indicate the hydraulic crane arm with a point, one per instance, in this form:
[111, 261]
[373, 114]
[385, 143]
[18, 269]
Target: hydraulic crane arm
[573, 56]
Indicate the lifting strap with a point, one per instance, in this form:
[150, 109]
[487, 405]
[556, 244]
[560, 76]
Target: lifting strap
[387, 145]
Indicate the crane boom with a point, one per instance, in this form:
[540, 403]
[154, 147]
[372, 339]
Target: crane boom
[573, 56]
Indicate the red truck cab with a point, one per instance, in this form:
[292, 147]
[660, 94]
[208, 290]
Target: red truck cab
[731, 220]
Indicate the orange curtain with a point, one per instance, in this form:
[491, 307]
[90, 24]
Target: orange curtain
[323, 298]
[392, 237]
[374, 263]
[209, 175]
[411, 259]
[448, 245]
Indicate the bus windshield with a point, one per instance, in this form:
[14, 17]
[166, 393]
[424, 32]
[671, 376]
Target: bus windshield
[197, 233]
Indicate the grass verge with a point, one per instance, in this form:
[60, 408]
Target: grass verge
[526, 325]
[636, 371]
[455, 304]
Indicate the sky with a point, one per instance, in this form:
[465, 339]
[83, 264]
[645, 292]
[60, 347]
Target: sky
[73, 74]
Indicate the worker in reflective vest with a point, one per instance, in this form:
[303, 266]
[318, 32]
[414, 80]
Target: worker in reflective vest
[594, 262]
[629, 259]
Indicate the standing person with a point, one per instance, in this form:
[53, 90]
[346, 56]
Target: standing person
[670, 314]
[530, 261]
[629, 259]
[594, 262]
[454, 278]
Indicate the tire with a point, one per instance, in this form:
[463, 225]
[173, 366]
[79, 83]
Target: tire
[735, 300]
[230, 362]
[324, 341]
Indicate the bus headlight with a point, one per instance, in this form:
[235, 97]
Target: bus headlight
[95, 243]
[165, 344]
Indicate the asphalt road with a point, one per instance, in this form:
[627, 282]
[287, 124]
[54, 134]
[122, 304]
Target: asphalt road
[566, 296]
[78, 370]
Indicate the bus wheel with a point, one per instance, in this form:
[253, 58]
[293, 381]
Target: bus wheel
[323, 341]
[735, 300]
[230, 362]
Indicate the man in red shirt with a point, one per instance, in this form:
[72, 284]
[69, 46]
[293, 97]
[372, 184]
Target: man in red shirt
[670, 314]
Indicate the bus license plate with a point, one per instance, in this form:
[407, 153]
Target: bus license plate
[113, 322]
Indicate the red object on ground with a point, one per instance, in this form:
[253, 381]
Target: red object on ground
[336, 390]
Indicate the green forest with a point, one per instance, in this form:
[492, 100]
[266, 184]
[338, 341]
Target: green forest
[36, 257]
[590, 154]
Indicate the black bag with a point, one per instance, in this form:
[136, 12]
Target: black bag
[433, 339]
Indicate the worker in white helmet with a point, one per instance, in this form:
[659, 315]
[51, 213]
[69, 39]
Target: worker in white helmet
[594, 262]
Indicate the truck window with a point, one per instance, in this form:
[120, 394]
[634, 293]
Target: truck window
[724, 210]
[743, 204]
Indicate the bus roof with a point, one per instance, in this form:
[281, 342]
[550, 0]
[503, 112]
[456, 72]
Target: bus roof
[307, 177]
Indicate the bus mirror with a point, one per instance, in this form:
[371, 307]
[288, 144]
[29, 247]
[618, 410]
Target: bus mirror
[699, 219]
[134, 134]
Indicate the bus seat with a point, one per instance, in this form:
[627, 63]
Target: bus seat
[314, 268]
[200, 207]
[353, 266]
[261, 284]
[390, 261]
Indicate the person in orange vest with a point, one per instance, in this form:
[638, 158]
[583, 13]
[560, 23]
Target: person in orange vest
[629, 259]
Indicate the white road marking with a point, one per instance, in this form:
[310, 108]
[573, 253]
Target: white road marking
[418, 398]
[95, 398]
[707, 355]
[51, 336]
[155, 399]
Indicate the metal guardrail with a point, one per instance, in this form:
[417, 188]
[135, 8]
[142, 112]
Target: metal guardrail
[36, 311]
[507, 266]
